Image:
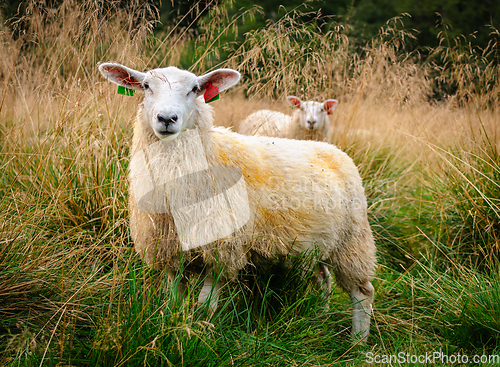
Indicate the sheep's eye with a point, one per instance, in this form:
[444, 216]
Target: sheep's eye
[195, 89]
[145, 86]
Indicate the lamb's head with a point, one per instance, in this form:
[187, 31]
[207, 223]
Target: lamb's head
[171, 102]
[312, 115]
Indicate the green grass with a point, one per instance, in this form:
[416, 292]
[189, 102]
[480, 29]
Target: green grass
[74, 291]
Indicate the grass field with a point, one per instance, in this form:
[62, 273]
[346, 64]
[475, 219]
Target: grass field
[423, 131]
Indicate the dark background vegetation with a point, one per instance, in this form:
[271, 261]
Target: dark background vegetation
[473, 20]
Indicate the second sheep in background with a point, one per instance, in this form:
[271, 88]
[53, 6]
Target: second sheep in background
[308, 121]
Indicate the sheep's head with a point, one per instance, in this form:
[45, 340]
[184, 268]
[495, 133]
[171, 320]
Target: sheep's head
[170, 94]
[312, 115]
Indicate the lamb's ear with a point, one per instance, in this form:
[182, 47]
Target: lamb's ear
[221, 78]
[329, 105]
[122, 75]
[294, 101]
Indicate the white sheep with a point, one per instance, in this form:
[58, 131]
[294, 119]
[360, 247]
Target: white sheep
[295, 196]
[309, 120]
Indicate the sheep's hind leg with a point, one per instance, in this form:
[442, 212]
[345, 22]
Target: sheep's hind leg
[362, 298]
[210, 291]
[324, 279]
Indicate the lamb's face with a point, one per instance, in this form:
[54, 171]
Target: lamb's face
[312, 115]
[170, 101]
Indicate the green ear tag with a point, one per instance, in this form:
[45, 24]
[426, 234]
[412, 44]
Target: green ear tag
[125, 91]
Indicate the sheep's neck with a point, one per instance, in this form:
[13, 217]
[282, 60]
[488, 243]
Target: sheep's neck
[143, 137]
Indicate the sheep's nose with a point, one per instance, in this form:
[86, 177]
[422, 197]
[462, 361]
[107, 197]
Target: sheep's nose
[167, 120]
[311, 122]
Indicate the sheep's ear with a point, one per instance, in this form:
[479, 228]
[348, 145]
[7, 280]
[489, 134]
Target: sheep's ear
[222, 79]
[294, 101]
[121, 75]
[329, 105]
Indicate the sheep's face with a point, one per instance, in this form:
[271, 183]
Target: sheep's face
[171, 102]
[312, 115]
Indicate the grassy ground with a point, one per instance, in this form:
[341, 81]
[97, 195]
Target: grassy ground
[72, 290]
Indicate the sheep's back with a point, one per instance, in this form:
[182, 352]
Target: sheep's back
[300, 191]
[266, 123]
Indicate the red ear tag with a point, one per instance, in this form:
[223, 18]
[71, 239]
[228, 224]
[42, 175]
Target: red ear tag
[211, 93]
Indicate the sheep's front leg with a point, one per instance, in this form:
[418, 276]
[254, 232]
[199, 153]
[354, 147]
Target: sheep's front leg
[210, 291]
[180, 288]
[362, 298]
